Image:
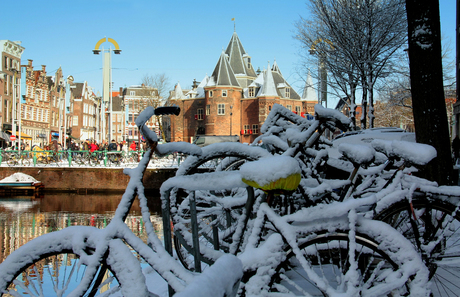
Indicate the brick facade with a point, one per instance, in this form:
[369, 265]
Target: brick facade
[229, 103]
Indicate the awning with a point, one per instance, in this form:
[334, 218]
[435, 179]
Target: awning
[23, 135]
[4, 136]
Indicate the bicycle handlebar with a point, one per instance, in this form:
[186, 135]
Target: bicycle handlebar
[147, 113]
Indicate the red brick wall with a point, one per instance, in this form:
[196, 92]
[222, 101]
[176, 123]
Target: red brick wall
[244, 112]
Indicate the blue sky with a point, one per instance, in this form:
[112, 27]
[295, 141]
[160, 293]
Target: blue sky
[182, 39]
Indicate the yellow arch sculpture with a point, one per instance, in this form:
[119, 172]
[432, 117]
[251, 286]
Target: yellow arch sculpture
[313, 46]
[96, 49]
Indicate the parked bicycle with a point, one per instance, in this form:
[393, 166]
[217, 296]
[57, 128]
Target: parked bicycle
[93, 261]
[323, 250]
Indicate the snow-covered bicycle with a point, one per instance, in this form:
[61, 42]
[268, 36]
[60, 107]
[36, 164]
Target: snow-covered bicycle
[86, 261]
[329, 249]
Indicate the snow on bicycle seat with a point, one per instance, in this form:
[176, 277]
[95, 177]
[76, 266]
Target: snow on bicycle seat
[415, 153]
[331, 114]
[358, 154]
[272, 173]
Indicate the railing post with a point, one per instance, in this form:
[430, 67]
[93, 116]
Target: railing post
[35, 158]
[105, 158]
[69, 157]
[1, 155]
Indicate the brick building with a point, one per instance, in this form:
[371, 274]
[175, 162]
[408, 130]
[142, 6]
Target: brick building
[136, 99]
[35, 113]
[10, 78]
[118, 116]
[84, 108]
[234, 100]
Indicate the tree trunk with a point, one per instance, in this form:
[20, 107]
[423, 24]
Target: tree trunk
[364, 104]
[430, 116]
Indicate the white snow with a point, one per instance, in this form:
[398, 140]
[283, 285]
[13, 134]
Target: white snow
[19, 177]
[261, 253]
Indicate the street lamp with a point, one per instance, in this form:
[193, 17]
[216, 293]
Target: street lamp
[106, 79]
[322, 69]
[14, 117]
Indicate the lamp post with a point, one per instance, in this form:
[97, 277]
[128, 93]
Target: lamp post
[106, 80]
[14, 117]
[321, 69]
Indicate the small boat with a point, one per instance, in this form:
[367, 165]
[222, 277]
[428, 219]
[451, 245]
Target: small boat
[20, 184]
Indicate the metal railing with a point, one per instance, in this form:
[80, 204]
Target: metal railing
[83, 158]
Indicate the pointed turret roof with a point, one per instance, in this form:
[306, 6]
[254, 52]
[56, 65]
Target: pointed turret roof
[223, 74]
[275, 67]
[309, 93]
[178, 93]
[237, 56]
[269, 87]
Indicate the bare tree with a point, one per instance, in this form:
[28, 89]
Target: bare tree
[364, 35]
[154, 89]
[430, 115]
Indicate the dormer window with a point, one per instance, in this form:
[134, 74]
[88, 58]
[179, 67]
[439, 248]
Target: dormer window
[252, 92]
[288, 92]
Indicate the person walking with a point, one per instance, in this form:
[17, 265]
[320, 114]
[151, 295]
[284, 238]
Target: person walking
[133, 147]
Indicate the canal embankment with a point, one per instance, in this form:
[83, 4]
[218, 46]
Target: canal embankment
[89, 180]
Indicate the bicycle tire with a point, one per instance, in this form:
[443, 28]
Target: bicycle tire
[381, 266]
[38, 273]
[12, 161]
[444, 273]
[218, 211]
[25, 162]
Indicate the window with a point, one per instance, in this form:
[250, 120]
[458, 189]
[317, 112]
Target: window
[75, 121]
[255, 129]
[289, 107]
[288, 92]
[269, 107]
[297, 110]
[208, 109]
[199, 114]
[220, 109]
[224, 93]
[246, 129]
[210, 94]
[132, 93]
[252, 92]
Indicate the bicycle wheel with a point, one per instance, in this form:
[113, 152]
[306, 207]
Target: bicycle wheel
[217, 211]
[378, 262]
[217, 216]
[432, 224]
[25, 161]
[12, 161]
[61, 271]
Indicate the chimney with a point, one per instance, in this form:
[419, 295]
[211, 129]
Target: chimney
[121, 91]
[29, 62]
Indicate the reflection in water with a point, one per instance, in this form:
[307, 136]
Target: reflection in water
[23, 219]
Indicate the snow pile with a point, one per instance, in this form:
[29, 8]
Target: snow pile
[18, 177]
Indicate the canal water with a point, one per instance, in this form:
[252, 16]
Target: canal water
[23, 218]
